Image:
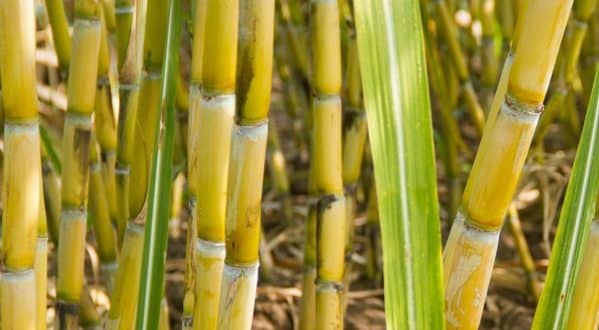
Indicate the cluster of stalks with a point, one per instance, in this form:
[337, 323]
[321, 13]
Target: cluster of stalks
[110, 59]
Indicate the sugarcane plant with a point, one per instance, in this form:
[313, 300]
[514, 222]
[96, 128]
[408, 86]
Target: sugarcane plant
[211, 117]
[554, 308]
[246, 169]
[121, 116]
[325, 233]
[81, 90]
[22, 184]
[139, 144]
[471, 247]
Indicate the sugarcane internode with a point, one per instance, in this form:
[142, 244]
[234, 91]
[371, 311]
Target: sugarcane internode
[238, 295]
[210, 257]
[243, 225]
[124, 298]
[330, 256]
[469, 257]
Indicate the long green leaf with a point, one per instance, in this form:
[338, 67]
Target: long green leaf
[156, 231]
[574, 225]
[392, 61]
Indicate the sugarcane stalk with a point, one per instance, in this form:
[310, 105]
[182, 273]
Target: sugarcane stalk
[150, 55]
[60, 33]
[505, 15]
[76, 141]
[326, 180]
[129, 44]
[51, 196]
[98, 206]
[567, 67]
[490, 62]
[41, 264]
[590, 56]
[331, 258]
[354, 141]
[472, 243]
[190, 267]
[211, 113]
[584, 313]
[24, 246]
[104, 118]
[246, 169]
[89, 318]
[307, 306]
[164, 321]
[123, 306]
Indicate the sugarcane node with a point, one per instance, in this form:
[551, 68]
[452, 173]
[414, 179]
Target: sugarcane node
[46, 168]
[248, 122]
[191, 202]
[471, 224]
[81, 147]
[105, 155]
[87, 9]
[326, 202]
[121, 170]
[516, 106]
[323, 285]
[102, 82]
[351, 117]
[67, 321]
[351, 188]
[66, 307]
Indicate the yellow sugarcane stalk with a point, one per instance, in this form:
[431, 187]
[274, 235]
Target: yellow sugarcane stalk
[98, 207]
[354, 142]
[325, 181]
[246, 169]
[126, 283]
[470, 250]
[76, 140]
[41, 263]
[129, 45]
[190, 273]
[21, 179]
[105, 120]
[211, 113]
[60, 32]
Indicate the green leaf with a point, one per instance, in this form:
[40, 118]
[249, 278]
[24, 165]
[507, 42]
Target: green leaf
[392, 61]
[574, 225]
[156, 230]
[48, 144]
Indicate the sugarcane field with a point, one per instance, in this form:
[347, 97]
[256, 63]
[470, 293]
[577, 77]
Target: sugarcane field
[299, 164]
